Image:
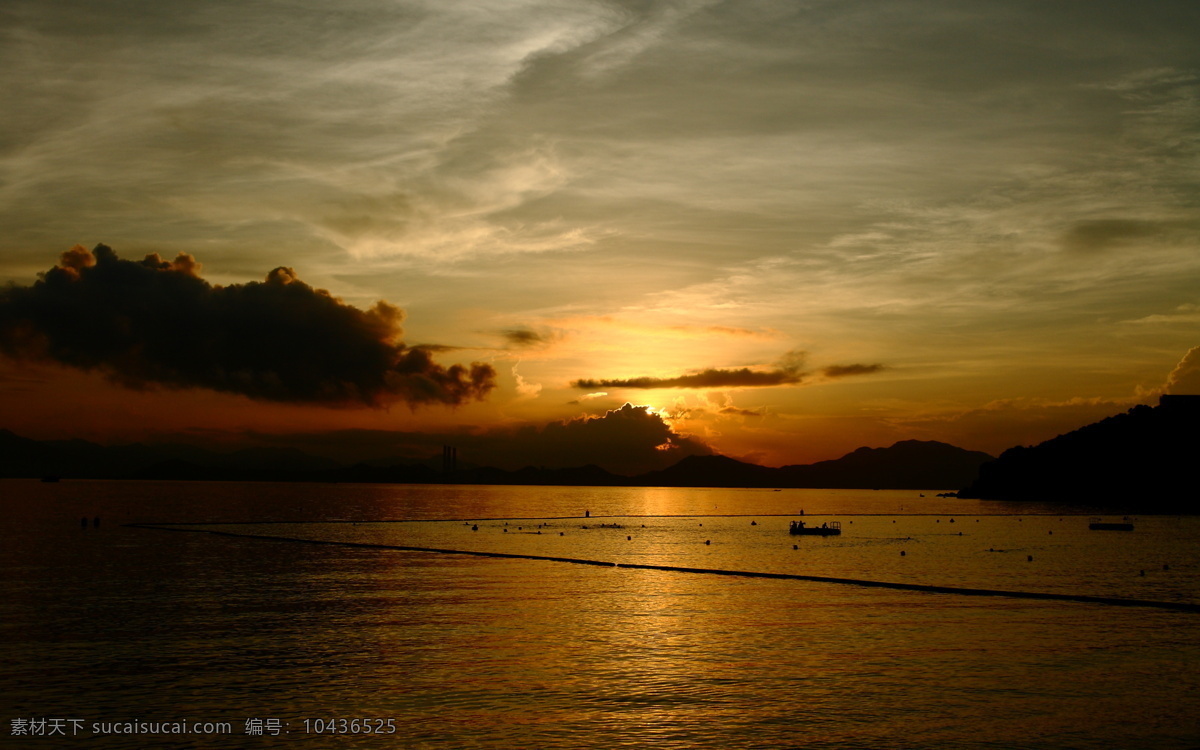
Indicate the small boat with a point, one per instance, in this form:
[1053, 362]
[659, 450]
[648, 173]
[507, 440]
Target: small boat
[832, 528]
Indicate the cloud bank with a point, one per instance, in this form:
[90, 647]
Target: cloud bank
[158, 323]
[1185, 378]
[628, 440]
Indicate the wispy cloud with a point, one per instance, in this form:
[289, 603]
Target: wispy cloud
[523, 387]
[843, 371]
[1187, 314]
[711, 378]
[1097, 235]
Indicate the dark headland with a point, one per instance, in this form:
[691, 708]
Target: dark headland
[1145, 458]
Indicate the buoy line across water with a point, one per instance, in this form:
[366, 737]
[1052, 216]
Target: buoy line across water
[918, 587]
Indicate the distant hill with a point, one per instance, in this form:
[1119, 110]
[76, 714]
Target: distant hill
[22, 457]
[910, 464]
[1145, 458]
[710, 471]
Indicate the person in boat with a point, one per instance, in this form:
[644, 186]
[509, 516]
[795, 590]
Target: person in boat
[824, 525]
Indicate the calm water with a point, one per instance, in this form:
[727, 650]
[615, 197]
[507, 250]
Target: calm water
[121, 624]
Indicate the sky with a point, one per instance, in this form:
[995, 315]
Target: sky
[620, 232]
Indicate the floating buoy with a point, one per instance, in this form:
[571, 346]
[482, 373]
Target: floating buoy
[629, 538]
[475, 528]
[795, 546]
[1166, 567]
[708, 541]
[902, 553]
[560, 533]
[754, 523]
[1029, 558]
[506, 531]
[1142, 573]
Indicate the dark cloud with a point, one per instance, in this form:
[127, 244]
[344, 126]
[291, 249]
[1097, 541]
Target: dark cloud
[712, 378]
[788, 371]
[735, 411]
[845, 371]
[156, 322]
[628, 440]
[524, 337]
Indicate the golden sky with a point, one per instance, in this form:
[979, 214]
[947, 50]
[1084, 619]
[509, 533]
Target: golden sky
[787, 229]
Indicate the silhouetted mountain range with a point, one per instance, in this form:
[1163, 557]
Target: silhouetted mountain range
[22, 457]
[1146, 457]
[910, 464]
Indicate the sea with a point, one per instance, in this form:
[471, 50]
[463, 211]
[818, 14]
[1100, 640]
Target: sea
[262, 615]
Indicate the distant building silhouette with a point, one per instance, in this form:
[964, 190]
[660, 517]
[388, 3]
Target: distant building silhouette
[449, 459]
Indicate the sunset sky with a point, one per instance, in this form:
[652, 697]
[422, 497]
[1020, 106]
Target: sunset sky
[787, 229]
